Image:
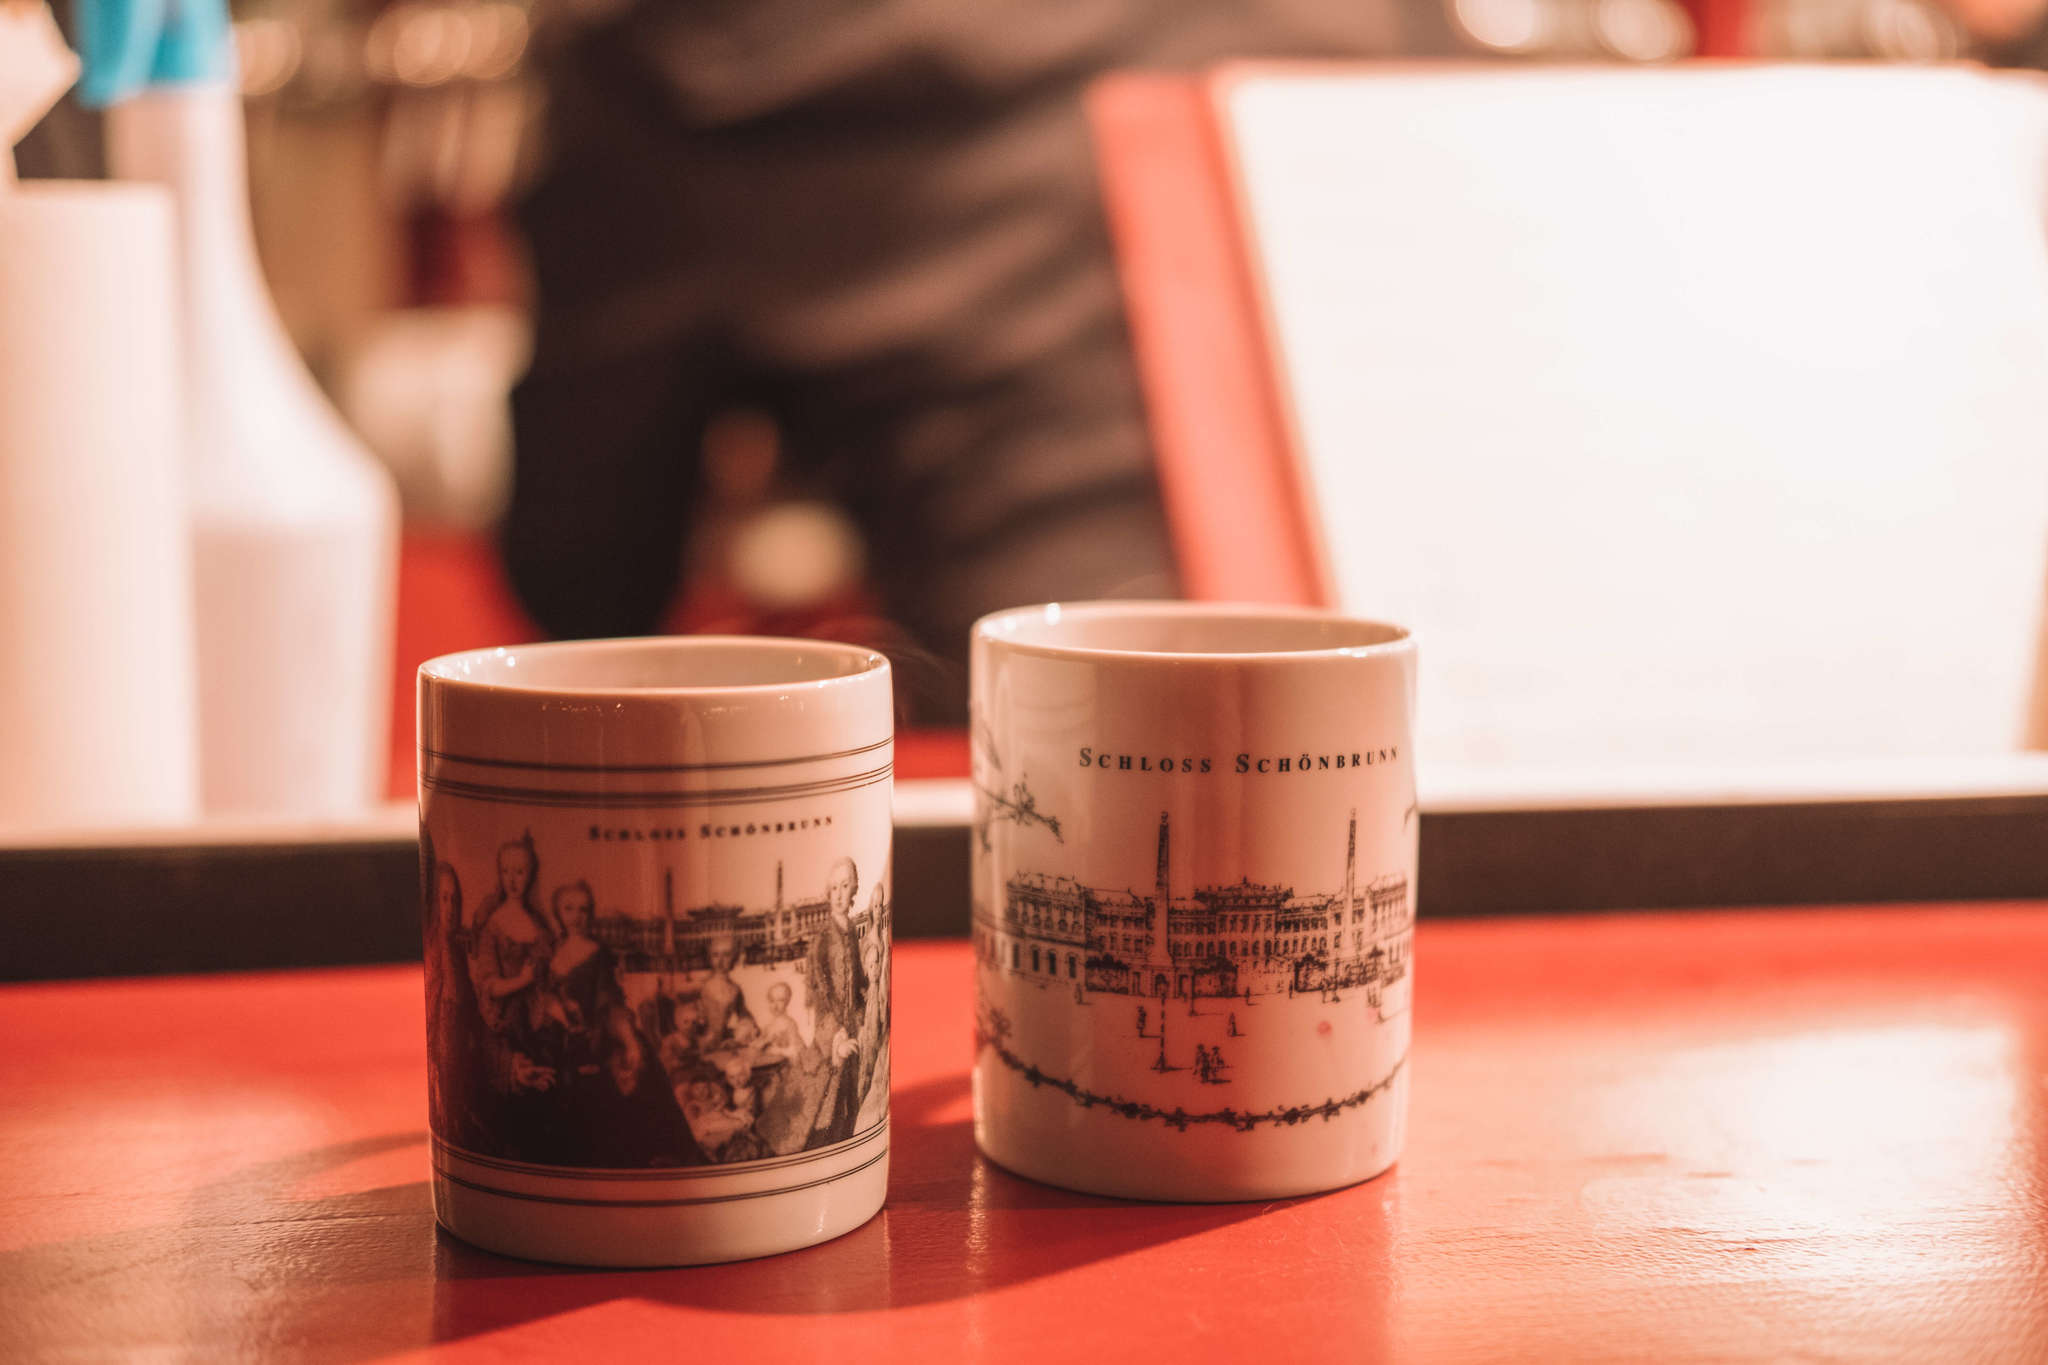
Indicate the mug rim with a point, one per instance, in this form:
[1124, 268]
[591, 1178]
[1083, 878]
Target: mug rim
[993, 629]
[453, 670]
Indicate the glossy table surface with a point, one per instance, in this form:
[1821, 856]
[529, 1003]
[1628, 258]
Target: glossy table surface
[1811, 1134]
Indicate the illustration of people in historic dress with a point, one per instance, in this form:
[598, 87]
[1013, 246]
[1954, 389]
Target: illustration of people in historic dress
[743, 1101]
[781, 1037]
[873, 1040]
[885, 936]
[452, 1018]
[838, 998]
[790, 1099]
[531, 1017]
[584, 972]
[734, 1068]
[629, 1118]
[712, 1124]
[508, 960]
[683, 1044]
[720, 998]
[723, 1109]
[585, 985]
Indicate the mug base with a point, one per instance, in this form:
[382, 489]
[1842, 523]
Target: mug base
[1166, 1187]
[702, 1231]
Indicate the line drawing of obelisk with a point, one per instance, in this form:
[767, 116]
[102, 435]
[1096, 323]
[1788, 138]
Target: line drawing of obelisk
[1350, 885]
[1158, 961]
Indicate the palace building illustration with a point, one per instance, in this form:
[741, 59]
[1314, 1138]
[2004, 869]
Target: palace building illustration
[670, 941]
[1231, 940]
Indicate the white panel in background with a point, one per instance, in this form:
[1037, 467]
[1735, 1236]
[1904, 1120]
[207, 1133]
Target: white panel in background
[1694, 417]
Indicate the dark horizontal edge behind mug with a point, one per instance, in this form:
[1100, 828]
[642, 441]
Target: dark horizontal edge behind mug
[123, 911]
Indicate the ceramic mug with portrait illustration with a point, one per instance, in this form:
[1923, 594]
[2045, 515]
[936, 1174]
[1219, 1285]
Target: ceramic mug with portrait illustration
[1193, 897]
[657, 1000]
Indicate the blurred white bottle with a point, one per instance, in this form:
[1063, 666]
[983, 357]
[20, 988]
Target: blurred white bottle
[294, 523]
[96, 686]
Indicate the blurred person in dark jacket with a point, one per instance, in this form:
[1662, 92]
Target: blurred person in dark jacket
[876, 220]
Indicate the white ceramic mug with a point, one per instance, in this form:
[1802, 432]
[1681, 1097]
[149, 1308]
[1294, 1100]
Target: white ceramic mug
[657, 945]
[1194, 880]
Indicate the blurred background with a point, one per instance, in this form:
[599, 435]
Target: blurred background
[789, 315]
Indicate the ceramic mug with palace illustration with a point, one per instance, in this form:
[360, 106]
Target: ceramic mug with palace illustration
[1193, 897]
[656, 916]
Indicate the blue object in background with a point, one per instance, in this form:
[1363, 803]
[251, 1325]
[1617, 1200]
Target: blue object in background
[125, 45]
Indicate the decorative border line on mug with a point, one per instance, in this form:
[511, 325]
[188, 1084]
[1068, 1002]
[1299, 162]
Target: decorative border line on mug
[736, 796]
[538, 1198]
[446, 757]
[1177, 1117]
[442, 1146]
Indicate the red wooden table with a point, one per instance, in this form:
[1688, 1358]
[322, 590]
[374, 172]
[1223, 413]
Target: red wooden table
[1762, 1135]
